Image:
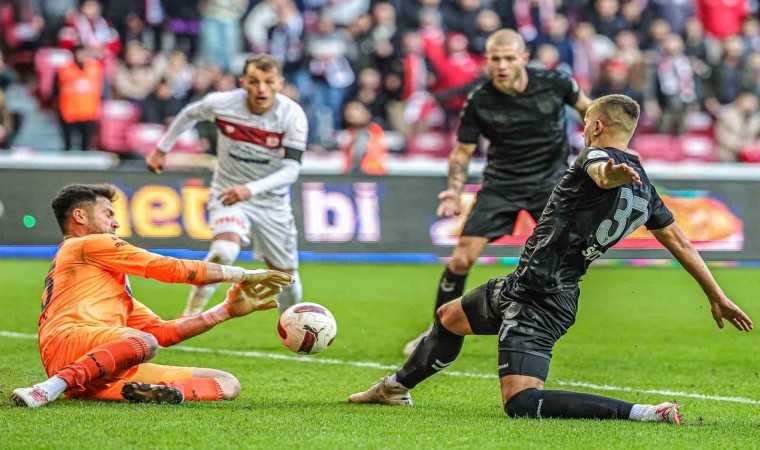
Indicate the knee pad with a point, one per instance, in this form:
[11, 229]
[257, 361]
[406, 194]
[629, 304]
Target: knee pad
[523, 404]
[223, 252]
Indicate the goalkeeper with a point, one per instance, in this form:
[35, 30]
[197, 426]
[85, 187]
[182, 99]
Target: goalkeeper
[95, 338]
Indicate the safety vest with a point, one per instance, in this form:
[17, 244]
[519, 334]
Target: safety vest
[81, 91]
[375, 151]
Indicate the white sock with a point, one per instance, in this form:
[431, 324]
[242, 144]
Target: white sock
[636, 412]
[290, 294]
[198, 298]
[54, 386]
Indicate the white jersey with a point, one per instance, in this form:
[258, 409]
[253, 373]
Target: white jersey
[249, 146]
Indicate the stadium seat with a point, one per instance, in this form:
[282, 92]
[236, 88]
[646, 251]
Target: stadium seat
[433, 144]
[143, 138]
[657, 147]
[117, 117]
[698, 148]
[47, 61]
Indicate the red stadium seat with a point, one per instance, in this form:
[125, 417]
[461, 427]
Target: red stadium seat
[117, 117]
[143, 137]
[698, 148]
[47, 61]
[433, 144]
[657, 147]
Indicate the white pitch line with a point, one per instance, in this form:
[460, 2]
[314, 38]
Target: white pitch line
[374, 365]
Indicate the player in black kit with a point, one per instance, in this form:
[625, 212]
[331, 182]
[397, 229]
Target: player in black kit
[604, 196]
[521, 111]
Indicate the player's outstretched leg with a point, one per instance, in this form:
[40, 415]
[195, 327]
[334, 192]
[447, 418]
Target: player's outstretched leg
[98, 362]
[537, 403]
[451, 284]
[437, 351]
[223, 252]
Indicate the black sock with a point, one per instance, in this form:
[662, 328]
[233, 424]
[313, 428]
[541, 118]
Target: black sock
[450, 288]
[535, 403]
[436, 352]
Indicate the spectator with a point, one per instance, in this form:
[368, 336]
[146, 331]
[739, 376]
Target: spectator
[89, 29]
[385, 35]
[344, 12]
[79, 91]
[547, 57]
[455, 67]
[136, 77]
[530, 17]
[361, 43]
[179, 74]
[614, 80]
[751, 35]
[183, 23]
[672, 87]
[55, 13]
[722, 18]
[695, 44]
[658, 30]
[160, 106]
[629, 54]
[486, 23]
[738, 129]
[332, 76]
[675, 12]
[725, 80]
[6, 123]
[606, 18]
[460, 16]
[257, 24]
[20, 31]
[557, 36]
[589, 50]
[220, 31]
[633, 15]
[365, 149]
[368, 92]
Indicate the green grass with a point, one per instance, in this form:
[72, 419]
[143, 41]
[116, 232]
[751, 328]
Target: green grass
[641, 328]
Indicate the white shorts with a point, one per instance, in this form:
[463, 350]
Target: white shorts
[273, 227]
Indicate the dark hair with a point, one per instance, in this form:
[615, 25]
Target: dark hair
[75, 195]
[265, 63]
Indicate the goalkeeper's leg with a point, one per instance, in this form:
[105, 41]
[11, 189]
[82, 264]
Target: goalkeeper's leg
[224, 250]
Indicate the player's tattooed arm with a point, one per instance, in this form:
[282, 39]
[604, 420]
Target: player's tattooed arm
[459, 163]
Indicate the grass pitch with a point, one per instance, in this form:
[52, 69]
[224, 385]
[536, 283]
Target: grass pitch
[642, 335]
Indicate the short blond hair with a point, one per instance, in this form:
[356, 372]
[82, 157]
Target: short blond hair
[505, 36]
[617, 111]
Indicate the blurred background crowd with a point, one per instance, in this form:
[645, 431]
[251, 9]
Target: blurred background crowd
[373, 76]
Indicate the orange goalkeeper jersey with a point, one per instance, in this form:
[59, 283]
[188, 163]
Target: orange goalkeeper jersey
[88, 285]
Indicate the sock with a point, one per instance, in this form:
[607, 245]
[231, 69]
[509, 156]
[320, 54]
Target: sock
[290, 294]
[221, 252]
[54, 386]
[636, 411]
[538, 404]
[436, 352]
[450, 288]
[103, 360]
[198, 389]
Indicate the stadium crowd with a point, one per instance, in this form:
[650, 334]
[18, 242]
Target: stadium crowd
[389, 75]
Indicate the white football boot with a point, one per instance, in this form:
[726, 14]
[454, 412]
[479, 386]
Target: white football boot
[384, 392]
[412, 345]
[667, 412]
[31, 397]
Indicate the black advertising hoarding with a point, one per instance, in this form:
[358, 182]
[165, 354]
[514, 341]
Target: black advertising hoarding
[350, 215]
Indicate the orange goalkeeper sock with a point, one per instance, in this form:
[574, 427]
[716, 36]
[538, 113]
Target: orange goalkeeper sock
[103, 360]
[198, 389]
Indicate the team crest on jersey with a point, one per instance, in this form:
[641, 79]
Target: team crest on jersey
[230, 129]
[273, 141]
[593, 154]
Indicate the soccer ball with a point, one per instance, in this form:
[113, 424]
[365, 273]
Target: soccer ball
[307, 328]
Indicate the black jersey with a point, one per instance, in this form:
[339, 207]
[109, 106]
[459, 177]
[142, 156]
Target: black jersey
[527, 131]
[581, 221]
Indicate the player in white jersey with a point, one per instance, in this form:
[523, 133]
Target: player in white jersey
[262, 137]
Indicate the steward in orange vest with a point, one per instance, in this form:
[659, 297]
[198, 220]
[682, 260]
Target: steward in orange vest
[366, 149]
[80, 91]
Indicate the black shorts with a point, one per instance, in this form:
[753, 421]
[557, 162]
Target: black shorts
[528, 323]
[494, 213]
